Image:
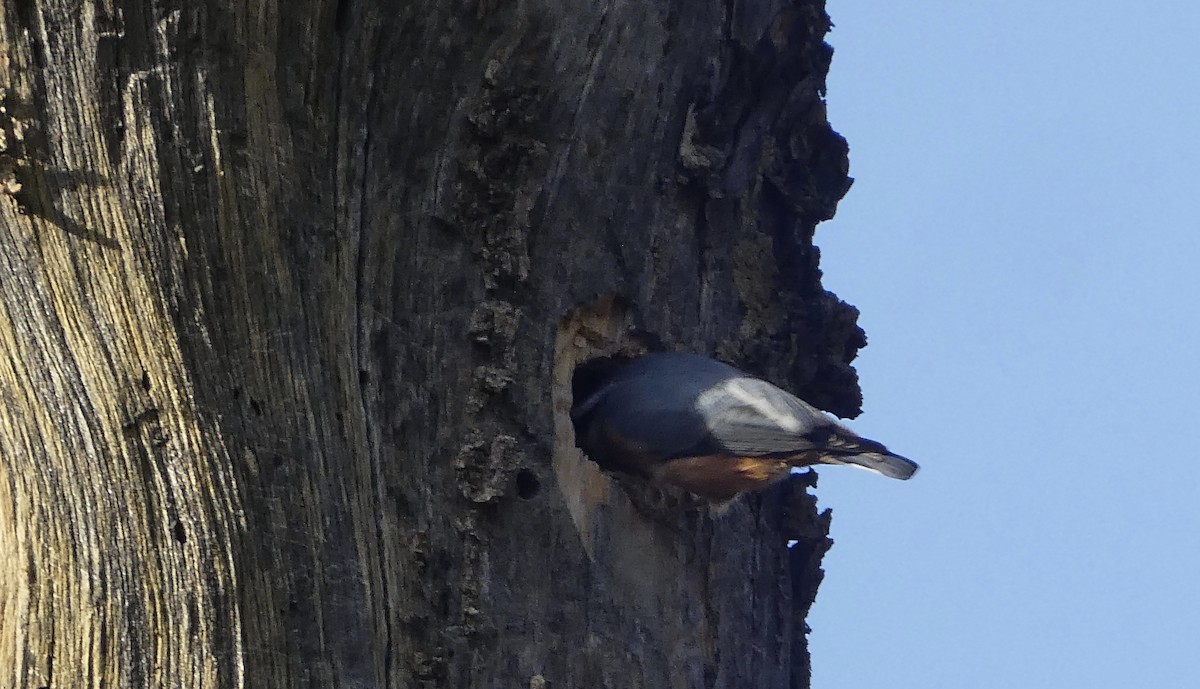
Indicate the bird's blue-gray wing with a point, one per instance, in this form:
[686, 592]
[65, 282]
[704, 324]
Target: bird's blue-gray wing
[658, 421]
[750, 417]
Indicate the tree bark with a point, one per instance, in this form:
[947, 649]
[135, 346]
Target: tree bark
[291, 298]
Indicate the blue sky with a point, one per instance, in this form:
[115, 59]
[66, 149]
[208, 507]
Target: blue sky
[1022, 239]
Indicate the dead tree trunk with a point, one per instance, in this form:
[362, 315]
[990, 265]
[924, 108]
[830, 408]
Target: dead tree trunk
[290, 298]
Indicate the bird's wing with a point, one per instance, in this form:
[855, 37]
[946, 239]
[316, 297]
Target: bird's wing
[642, 415]
[750, 417]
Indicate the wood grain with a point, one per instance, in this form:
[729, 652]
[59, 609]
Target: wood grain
[280, 291]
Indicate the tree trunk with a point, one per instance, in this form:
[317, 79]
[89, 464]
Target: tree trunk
[291, 298]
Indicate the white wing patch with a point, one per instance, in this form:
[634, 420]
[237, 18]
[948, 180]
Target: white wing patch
[737, 388]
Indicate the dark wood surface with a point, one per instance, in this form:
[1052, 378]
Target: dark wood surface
[290, 297]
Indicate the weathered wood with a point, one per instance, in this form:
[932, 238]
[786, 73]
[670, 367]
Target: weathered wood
[290, 297]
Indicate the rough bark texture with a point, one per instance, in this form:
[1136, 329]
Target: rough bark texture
[291, 297]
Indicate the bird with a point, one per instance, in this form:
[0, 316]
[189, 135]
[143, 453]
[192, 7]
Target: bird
[709, 428]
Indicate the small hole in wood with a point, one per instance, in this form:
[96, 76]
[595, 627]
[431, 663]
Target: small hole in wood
[528, 484]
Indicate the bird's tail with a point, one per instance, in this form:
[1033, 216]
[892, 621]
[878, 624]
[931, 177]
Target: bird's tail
[845, 447]
[892, 466]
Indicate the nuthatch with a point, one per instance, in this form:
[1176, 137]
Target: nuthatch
[713, 430]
